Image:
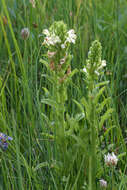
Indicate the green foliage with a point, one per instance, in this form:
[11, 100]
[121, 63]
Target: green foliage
[55, 120]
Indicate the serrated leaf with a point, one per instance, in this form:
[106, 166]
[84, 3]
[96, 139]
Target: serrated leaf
[99, 95]
[87, 107]
[50, 78]
[45, 63]
[71, 75]
[65, 66]
[102, 104]
[109, 129]
[105, 117]
[78, 140]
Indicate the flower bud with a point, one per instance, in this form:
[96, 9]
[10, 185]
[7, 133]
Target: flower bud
[5, 21]
[33, 3]
[51, 54]
[25, 33]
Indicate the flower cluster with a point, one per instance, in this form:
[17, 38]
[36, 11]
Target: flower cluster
[111, 159]
[103, 183]
[71, 38]
[57, 40]
[97, 71]
[25, 33]
[51, 38]
[3, 141]
[55, 36]
[94, 64]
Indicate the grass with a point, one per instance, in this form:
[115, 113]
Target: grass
[34, 160]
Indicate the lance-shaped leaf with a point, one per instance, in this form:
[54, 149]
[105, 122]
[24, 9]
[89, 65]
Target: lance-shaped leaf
[106, 116]
[49, 102]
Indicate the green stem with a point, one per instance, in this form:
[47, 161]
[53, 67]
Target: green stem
[92, 158]
[113, 187]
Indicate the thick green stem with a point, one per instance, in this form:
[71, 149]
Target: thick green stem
[92, 157]
[60, 124]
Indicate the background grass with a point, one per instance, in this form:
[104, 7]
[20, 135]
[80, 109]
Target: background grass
[27, 162]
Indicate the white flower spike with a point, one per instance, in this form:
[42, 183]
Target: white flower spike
[71, 36]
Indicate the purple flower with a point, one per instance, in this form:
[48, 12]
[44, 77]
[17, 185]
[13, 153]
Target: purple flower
[111, 159]
[3, 141]
[103, 183]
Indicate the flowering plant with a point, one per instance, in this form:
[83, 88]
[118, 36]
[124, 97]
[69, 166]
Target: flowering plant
[94, 65]
[103, 183]
[57, 40]
[3, 141]
[111, 159]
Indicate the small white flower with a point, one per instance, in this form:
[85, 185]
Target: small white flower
[63, 46]
[51, 40]
[111, 159]
[71, 32]
[51, 54]
[46, 32]
[48, 41]
[97, 73]
[71, 36]
[103, 63]
[55, 39]
[62, 61]
[103, 183]
[84, 69]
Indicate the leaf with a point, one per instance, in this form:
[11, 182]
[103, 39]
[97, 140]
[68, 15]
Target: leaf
[46, 91]
[70, 75]
[79, 116]
[45, 117]
[98, 95]
[87, 107]
[105, 117]
[41, 165]
[68, 61]
[50, 78]
[122, 154]
[72, 125]
[78, 140]
[79, 105]
[102, 84]
[47, 135]
[109, 129]
[45, 63]
[49, 102]
[101, 105]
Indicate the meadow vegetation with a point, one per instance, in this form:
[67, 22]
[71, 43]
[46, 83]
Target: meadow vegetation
[63, 73]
